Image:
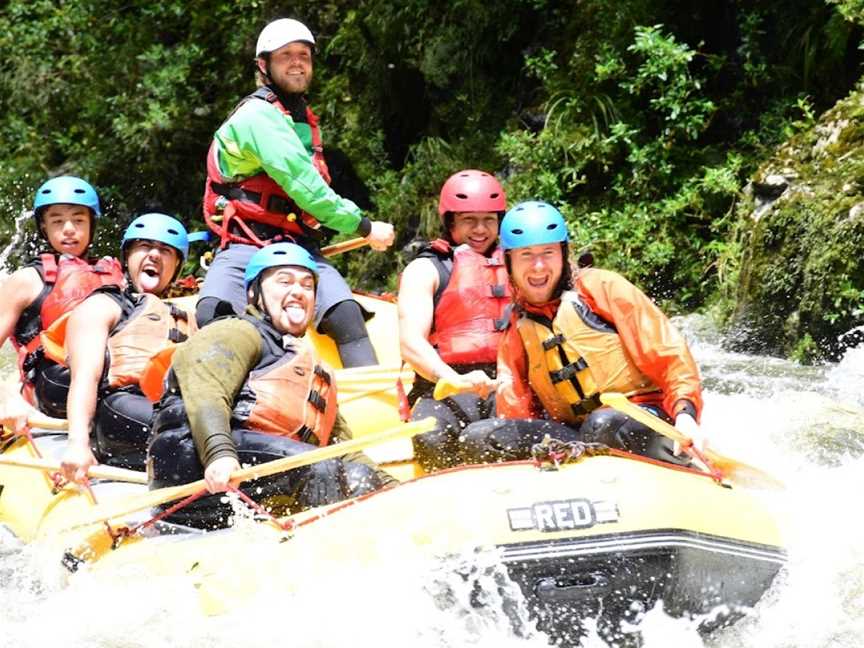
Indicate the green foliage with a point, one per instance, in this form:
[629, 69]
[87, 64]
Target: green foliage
[639, 119]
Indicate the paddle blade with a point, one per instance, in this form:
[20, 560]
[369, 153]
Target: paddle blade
[735, 471]
[444, 389]
[154, 498]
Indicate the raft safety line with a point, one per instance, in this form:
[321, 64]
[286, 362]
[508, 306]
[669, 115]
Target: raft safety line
[57, 480]
[118, 534]
[287, 526]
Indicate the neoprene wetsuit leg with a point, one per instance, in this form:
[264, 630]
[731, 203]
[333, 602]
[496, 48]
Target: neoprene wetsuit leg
[345, 324]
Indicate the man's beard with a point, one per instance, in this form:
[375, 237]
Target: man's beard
[287, 87]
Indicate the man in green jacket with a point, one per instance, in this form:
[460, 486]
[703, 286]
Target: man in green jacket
[267, 181]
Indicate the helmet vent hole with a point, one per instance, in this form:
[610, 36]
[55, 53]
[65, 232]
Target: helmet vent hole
[46, 191]
[79, 191]
[552, 226]
[494, 195]
[462, 196]
[173, 231]
[518, 231]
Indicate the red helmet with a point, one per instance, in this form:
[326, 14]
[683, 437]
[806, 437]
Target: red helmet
[471, 191]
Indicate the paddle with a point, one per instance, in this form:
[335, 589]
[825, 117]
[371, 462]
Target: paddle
[737, 471]
[445, 388]
[164, 495]
[38, 420]
[344, 246]
[358, 382]
[96, 472]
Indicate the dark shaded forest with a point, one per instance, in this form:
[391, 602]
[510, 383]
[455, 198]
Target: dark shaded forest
[640, 119]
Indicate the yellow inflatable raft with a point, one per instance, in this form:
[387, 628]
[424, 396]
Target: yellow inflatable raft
[603, 536]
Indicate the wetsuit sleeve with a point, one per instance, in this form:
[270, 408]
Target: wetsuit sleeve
[258, 137]
[514, 397]
[212, 367]
[654, 344]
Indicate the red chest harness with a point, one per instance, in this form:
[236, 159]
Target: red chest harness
[227, 205]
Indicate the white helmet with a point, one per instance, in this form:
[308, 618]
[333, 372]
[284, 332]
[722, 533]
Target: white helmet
[281, 32]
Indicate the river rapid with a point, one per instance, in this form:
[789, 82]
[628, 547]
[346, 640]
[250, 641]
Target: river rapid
[803, 424]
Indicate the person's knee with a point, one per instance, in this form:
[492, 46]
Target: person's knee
[323, 483]
[492, 440]
[344, 322]
[438, 448]
[173, 459]
[603, 426]
[52, 389]
[210, 308]
[361, 479]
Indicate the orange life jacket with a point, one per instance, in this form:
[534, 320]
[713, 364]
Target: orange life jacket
[576, 357]
[259, 198]
[472, 304]
[147, 326]
[67, 282]
[289, 392]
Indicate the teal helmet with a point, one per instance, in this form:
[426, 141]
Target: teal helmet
[276, 255]
[158, 227]
[66, 190]
[532, 223]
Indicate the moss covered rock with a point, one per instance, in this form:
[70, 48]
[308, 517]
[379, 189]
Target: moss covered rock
[800, 279]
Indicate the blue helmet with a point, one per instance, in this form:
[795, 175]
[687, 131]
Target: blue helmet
[276, 255]
[158, 227]
[67, 190]
[532, 223]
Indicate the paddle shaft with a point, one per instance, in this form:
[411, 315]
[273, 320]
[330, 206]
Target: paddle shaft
[344, 246]
[164, 495]
[349, 381]
[727, 466]
[95, 472]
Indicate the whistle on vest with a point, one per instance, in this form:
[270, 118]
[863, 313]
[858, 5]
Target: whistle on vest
[219, 208]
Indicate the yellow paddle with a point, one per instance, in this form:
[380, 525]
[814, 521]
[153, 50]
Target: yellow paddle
[39, 420]
[163, 495]
[445, 388]
[344, 246]
[732, 469]
[96, 472]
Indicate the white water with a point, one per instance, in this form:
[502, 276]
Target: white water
[17, 237]
[805, 425]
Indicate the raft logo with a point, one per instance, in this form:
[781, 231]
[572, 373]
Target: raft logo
[563, 515]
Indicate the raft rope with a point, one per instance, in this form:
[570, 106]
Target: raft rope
[288, 525]
[697, 454]
[120, 533]
[551, 453]
[56, 478]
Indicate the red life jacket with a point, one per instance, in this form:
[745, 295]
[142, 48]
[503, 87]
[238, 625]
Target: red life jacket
[259, 198]
[68, 281]
[147, 326]
[288, 393]
[472, 304]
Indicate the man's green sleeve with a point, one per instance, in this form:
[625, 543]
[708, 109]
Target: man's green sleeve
[258, 137]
